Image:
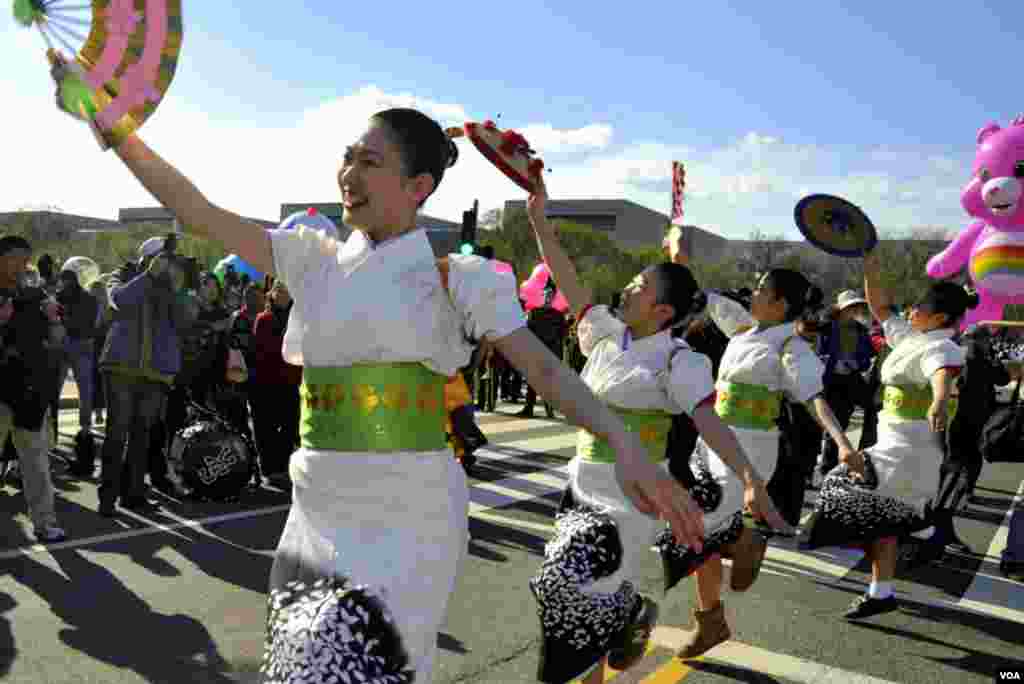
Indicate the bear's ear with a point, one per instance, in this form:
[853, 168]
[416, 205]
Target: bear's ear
[987, 131]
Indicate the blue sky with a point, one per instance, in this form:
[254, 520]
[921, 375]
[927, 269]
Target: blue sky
[879, 102]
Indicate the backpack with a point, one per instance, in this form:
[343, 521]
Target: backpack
[1002, 438]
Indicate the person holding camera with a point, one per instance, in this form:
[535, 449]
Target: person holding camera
[139, 361]
[31, 334]
[80, 318]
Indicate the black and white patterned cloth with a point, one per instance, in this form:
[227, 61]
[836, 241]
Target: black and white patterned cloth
[850, 512]
[330, 631]
[578, 629]
[679, 561]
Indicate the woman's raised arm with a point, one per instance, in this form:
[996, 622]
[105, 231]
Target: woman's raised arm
[561, 267]
[877, 296]
[176, 192]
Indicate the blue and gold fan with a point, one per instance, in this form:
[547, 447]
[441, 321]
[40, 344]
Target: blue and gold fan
[836, 226]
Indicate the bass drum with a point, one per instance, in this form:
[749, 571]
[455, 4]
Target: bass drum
[211, 460]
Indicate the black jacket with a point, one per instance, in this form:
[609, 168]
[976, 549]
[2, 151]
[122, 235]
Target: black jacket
[29, 358]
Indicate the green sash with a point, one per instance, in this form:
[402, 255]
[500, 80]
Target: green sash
[747, 406]
[381, 407]
[911, 402]
[652, 426]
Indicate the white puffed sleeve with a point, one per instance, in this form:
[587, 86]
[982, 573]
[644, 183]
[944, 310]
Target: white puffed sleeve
[729, 315]
[896, 329]
[802, 371]
[485, 297]
[689, 382]
[944, 354]
[297, 253]
[598, 324]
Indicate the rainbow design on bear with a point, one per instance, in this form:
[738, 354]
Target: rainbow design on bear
[997, 266]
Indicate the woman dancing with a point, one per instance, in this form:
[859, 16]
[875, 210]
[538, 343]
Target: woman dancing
[887, 494]
[378, 497]
[589, 607]
[765, 359]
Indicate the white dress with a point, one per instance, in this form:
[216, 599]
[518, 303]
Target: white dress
[396, 521]
[776, 359]
[586, 587]
[906, 459]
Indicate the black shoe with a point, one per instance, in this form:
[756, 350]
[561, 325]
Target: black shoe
[865, 607]
[108, 509]
[550, 411]
[635, 637]
[959, 547]
[1012, 569]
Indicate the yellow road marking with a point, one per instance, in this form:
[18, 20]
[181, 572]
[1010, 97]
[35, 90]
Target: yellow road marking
[672, 672]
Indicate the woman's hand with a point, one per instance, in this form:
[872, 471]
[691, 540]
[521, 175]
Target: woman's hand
[759, 503]
[938, 415]
[673, 247]
[656, 493]
[853, 459]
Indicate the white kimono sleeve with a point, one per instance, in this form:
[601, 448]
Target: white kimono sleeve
[945, 354]
[299, 252]
[728, 315]
[598, 324]
[484, 297]
[802, 371]
[689, 381]
[896, 330]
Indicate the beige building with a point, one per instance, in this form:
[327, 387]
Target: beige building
[629, 224]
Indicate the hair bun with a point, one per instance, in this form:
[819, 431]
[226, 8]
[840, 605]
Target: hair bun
[700, 302]
[451, 154]
[972, 299]
[814, 297]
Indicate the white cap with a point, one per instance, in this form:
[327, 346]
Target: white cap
[151, 247]
[848, 298]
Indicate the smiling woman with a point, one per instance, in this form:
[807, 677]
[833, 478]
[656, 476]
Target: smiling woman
[380, 327]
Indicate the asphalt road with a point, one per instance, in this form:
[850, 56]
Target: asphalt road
[179, 595]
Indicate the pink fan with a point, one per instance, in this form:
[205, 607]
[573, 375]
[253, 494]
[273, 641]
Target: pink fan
[532, 290]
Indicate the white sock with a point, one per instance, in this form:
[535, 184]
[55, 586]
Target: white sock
[880, 590]
[924, 534]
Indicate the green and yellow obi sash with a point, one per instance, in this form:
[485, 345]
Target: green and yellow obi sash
[747, 406]
[373, 407]
[652, 426]
[911, 402]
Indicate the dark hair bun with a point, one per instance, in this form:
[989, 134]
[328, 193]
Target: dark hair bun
[451, 153]
[700, 302]
[814, 297]
[972, 300]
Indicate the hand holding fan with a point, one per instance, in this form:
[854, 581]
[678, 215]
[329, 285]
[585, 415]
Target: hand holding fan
[124, 56]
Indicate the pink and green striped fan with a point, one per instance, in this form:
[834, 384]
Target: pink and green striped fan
[124, 54]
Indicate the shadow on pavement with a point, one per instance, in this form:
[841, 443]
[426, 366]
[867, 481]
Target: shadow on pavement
[8, 648]
[973, 661]
[162, 649]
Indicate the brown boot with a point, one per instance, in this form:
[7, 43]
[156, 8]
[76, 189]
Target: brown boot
[747, 553]
[712, 629]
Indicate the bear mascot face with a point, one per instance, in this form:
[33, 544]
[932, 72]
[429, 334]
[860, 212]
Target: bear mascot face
[996, 189]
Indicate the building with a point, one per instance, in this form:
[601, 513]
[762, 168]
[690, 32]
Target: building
[443, 235]
[159, 216]
[629, 224]
[55, 225]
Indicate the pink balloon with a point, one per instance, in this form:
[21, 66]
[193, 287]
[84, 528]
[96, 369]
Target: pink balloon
[532, 290]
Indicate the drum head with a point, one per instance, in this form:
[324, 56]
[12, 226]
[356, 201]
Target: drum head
[836, 226]
[212, 461]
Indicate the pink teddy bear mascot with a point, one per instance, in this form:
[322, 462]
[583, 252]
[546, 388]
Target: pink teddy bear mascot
[993, 246]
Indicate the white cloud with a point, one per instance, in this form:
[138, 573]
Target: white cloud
[251, 169]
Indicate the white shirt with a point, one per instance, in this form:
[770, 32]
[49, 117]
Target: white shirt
[916, 356]
[360, 303]
[637, 374]
[776, 358]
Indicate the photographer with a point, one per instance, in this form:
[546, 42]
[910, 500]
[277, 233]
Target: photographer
[31, 339]
[139, 361]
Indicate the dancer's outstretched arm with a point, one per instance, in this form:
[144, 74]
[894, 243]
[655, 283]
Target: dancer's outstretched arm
[551, 251]
[877, 296]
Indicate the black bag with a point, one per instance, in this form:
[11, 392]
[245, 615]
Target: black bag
[1002, 438]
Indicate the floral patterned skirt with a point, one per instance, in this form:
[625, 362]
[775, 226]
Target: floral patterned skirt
[850, 512]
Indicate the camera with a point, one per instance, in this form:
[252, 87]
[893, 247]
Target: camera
[189, 266]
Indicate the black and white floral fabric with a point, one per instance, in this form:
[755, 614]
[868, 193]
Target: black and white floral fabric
[332, 632]
[578, 628]
[850, 512]
[679, 561]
